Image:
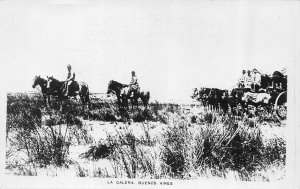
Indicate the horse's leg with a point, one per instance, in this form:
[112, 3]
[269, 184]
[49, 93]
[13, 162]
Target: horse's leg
[87, 100]
[118, 102]
[45, 100]
[144, 103]
[132, 103]
[137, 103]
[82, 101]
[49, 102]
[61, 105]
[126, 104]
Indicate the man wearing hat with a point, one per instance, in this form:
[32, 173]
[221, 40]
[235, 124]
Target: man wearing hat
[248, 80]
[256, 80]
[69, 80]
[133, 86]
[242, 79]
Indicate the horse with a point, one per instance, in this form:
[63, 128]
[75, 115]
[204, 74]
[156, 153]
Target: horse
[43, 84]
[235, 100]
[116, 88]
[121, 91]
[223, 99]
[212, 99]
[203, 95]
[56, 88]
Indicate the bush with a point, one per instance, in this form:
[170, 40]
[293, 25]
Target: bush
[176, 142]
[98, 151]
[44, 146]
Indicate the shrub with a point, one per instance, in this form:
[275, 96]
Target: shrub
[44, 146]
[98, 151]
[176, 144]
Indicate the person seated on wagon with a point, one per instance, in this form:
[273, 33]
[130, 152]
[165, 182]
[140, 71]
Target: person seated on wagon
[248, 80]
[133, 86]
[256, 80]
[242, 80]
[69, 80]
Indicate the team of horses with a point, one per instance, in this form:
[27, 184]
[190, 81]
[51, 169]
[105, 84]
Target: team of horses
[53, 87]
[239, 100]
[235, 100]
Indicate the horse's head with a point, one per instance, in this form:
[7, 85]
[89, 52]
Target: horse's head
[226, 93]
[212, 93]
[35, 81]
[110, 88]
[195, 92]
[38, 81]
[233, 93]
[239, 93]
[115, 87]
[202, 92]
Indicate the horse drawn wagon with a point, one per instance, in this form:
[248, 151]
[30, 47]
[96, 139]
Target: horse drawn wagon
[270, 98]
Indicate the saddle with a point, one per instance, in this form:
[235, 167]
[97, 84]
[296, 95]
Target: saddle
[126, 90]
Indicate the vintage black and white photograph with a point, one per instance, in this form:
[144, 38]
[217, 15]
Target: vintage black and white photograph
[147, 92]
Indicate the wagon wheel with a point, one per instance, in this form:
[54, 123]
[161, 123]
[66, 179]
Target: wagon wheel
[280, 105]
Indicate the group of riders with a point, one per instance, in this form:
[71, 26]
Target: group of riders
[253, 88]
[71, 88]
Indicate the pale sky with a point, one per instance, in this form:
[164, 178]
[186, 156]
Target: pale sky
[172, 45]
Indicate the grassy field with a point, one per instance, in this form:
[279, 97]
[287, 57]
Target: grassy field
[164, 141]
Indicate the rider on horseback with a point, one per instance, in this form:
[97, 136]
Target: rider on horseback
[70, 79]
[133, 86]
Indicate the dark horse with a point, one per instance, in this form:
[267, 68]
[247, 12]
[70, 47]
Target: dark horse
[122, 94]
[43, 84]
[56, 88]
[116, 88]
